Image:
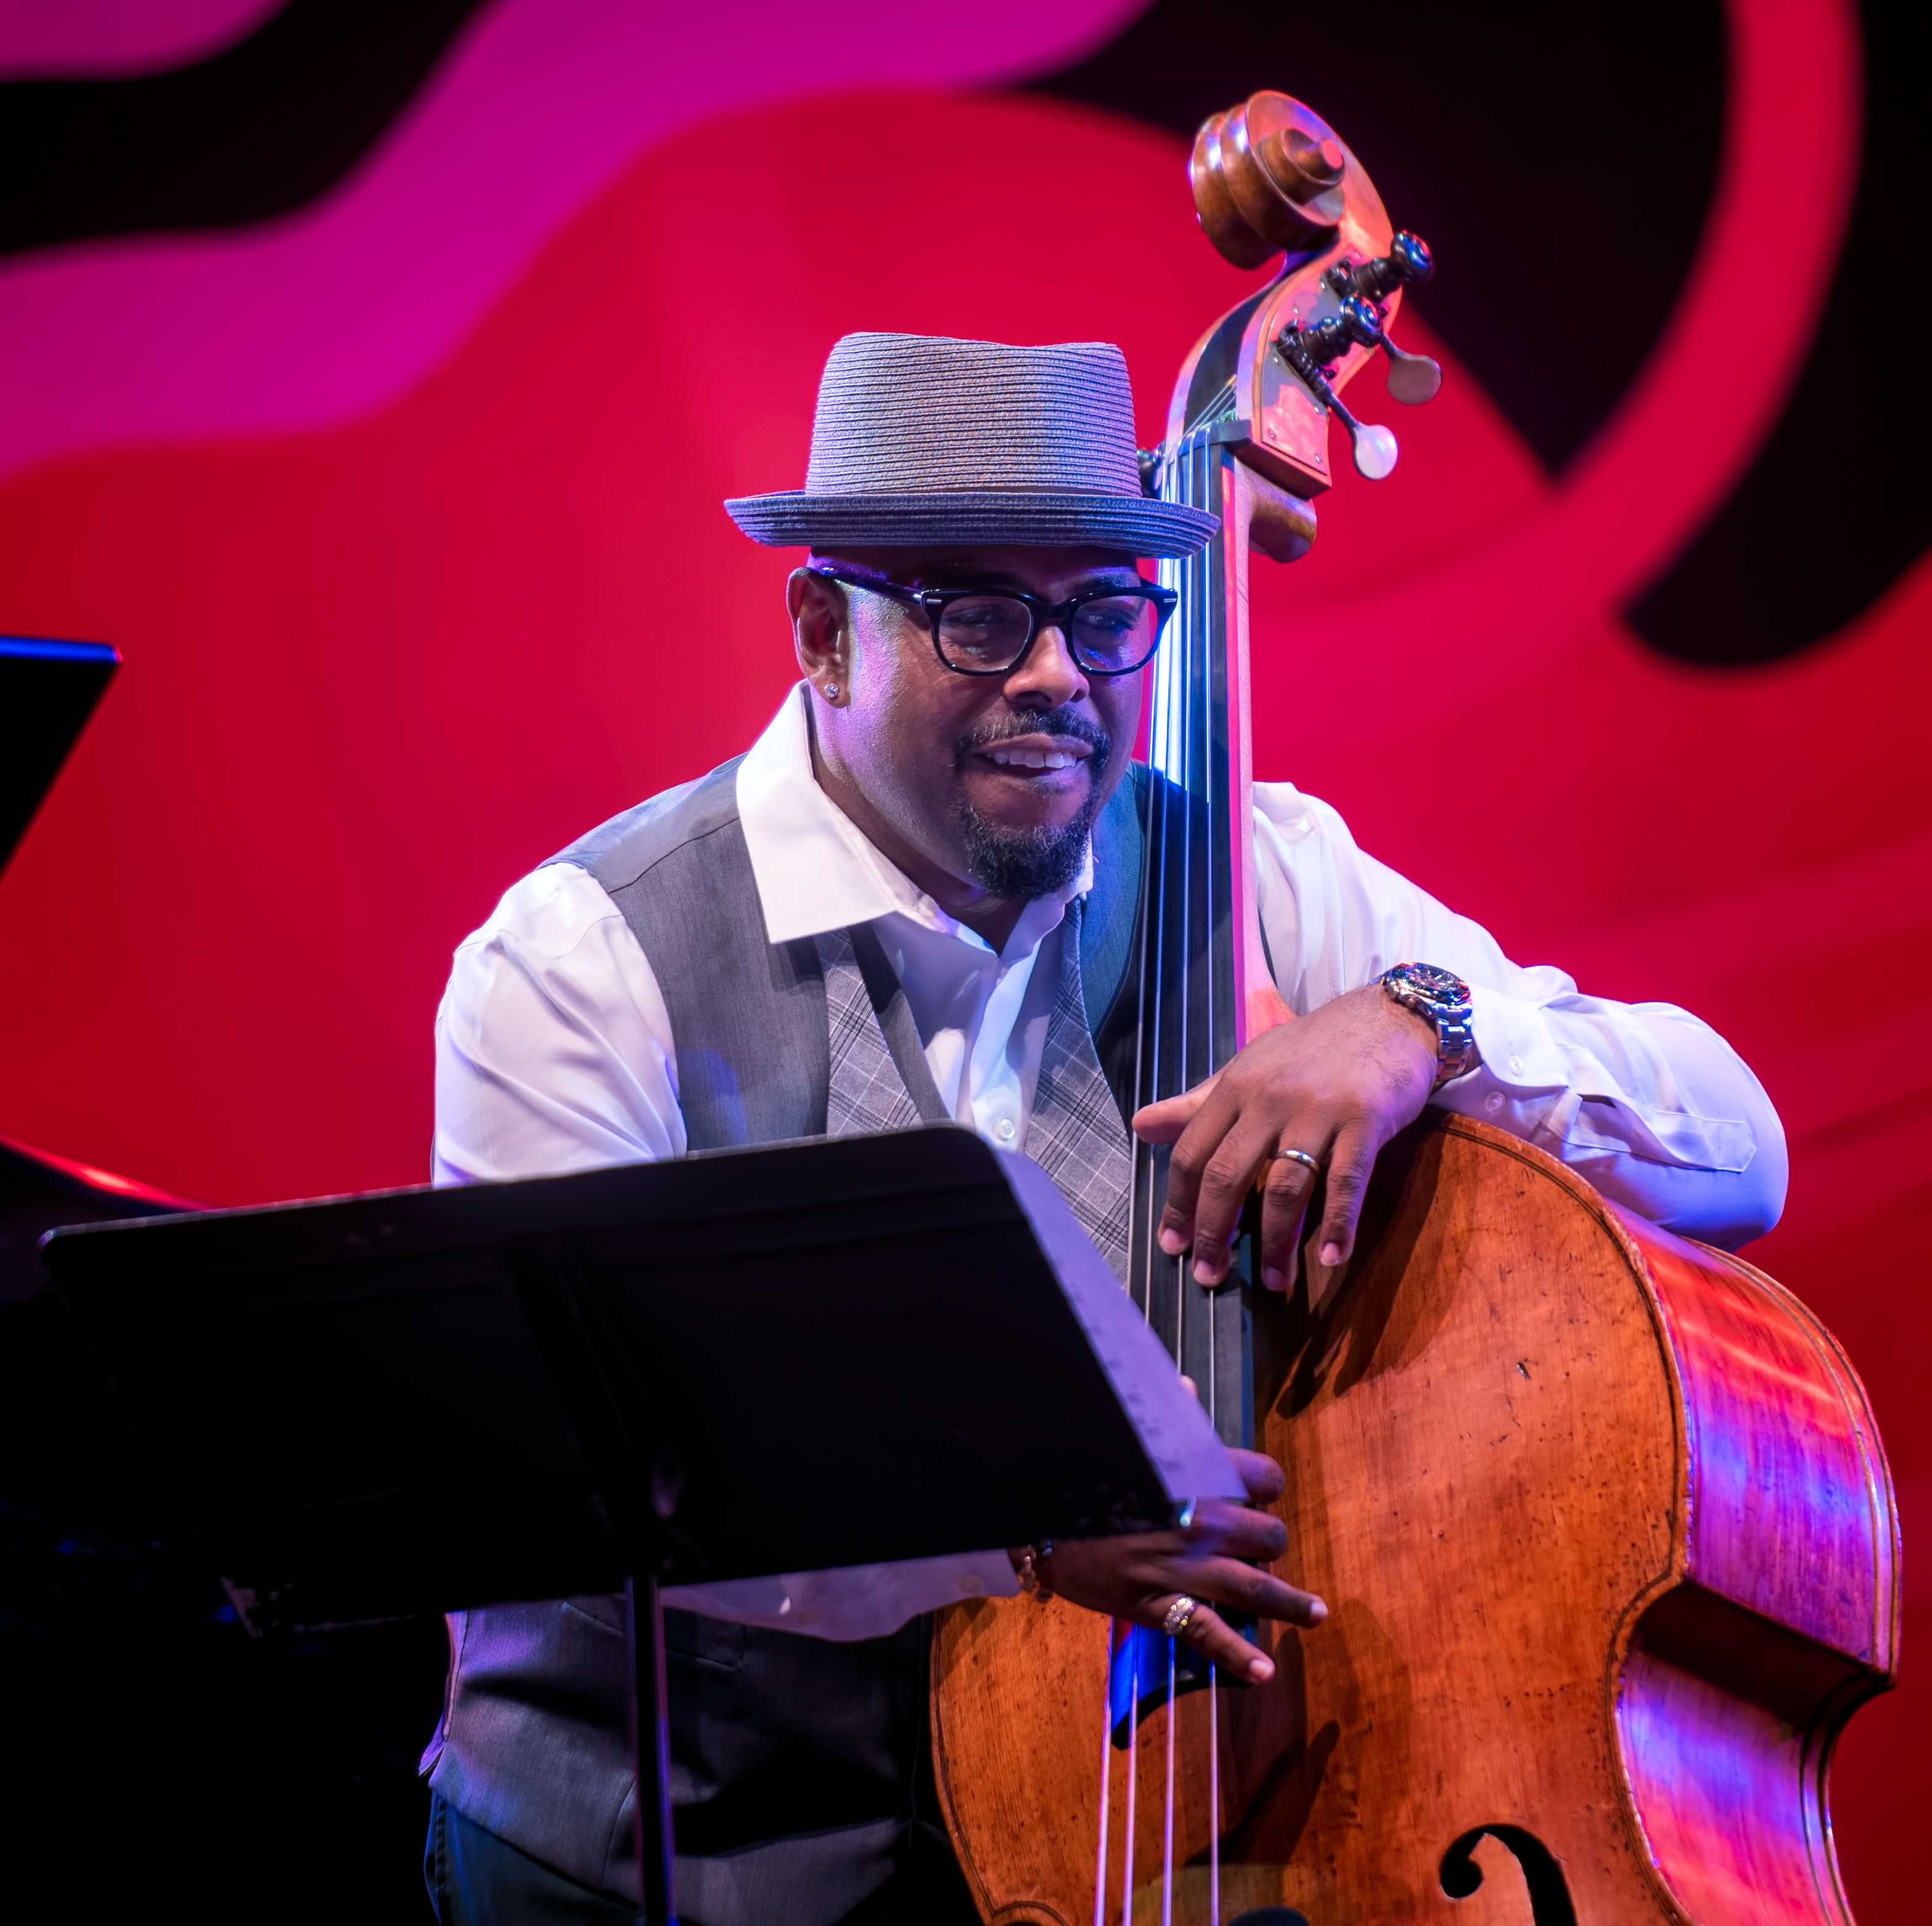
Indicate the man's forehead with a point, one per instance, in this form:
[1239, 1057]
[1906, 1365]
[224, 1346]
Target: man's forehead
[963, 565]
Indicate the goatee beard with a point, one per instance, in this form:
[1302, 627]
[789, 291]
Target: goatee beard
[1021, 864]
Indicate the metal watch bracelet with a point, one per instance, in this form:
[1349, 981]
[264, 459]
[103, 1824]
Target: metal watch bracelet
[1442, 998]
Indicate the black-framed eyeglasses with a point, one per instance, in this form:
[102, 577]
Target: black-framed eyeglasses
[1110, 631]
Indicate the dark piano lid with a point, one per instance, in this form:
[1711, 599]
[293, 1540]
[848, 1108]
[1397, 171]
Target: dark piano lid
[40, 1189]
[48, 690]
[81, 1537]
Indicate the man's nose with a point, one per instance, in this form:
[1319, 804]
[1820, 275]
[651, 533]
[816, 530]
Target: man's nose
[1049, 676]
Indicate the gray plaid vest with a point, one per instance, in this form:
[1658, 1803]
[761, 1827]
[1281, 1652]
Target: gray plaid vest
[798, 1765]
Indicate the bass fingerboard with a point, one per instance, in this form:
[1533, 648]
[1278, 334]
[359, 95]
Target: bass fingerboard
[1196, 900]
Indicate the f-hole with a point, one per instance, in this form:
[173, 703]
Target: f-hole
[1548, 1896]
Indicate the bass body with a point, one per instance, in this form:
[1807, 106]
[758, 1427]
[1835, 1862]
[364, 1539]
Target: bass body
[1611, 1553]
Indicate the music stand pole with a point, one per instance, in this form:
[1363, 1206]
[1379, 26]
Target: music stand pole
[650, 1754]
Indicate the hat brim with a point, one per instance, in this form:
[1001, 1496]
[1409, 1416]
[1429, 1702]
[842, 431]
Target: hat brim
[984, 517]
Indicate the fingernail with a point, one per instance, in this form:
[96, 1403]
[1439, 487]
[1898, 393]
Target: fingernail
[1331, 1255]
[1171, 1240]
[1317, 1611]
[1205, 1272]
[1272, 1278]
[1261, 1670]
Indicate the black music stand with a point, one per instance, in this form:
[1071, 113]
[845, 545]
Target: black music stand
[735, 1365]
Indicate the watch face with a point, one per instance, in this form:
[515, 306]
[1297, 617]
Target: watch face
[1443, 986]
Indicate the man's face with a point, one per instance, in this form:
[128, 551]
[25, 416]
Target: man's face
[993, 780]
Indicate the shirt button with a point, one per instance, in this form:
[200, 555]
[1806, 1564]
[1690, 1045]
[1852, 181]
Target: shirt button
[1515, 1066]
[1004, 1130]
[1493, 1102]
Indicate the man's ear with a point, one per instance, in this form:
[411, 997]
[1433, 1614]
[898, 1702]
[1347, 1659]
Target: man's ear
[821, 627]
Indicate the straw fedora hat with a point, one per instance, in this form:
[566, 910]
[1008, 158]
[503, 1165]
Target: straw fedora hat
[920, 441]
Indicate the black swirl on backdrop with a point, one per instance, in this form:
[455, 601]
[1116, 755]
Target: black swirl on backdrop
[1835, 508]
[262, 128]
[1560, 169]
[1560, 160]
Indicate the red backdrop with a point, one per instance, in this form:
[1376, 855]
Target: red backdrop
[374, 672]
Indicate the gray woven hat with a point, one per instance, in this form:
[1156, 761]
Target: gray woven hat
[920, 440]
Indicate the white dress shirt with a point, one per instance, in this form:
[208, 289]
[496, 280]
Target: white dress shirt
[554, 1052]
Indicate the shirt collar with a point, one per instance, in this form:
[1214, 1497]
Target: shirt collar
[816, 871]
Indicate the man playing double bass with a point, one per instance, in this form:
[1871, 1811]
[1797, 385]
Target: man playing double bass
[924, 831]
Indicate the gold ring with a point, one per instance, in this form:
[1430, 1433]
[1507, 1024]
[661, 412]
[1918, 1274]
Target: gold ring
[1300, 1157]
[1180, 1615]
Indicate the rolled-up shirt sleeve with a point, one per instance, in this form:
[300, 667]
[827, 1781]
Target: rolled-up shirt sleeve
[1650, 1104]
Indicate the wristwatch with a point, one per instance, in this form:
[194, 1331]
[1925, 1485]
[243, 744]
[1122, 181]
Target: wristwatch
[1441, 997]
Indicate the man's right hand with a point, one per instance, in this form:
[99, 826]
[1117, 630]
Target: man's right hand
[1213, 1559]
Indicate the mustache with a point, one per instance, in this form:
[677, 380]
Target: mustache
[1056, 722]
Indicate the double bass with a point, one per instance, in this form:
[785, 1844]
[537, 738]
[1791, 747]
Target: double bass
[1602, 1519]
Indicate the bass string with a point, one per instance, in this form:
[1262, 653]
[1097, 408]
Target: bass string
[1153, 898]
[1133, 1778]
[1106, 1775]
[1213, 1413]
[1142, 1218]
[1214, 1801]
[1213, 582]
[1167, 1815]
[1183, 988]
[1193, 697]
[1211, 585]
[1181, 727]
[1200, 629]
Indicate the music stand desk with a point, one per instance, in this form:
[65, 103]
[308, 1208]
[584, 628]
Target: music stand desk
[784, 1359]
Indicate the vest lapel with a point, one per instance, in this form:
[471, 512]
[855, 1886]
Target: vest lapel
[1075, 1134]
[867, 1093]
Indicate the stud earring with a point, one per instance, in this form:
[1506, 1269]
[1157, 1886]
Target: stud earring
[832, 691]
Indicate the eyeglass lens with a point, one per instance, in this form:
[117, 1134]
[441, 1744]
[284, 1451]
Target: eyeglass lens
[1110, 634]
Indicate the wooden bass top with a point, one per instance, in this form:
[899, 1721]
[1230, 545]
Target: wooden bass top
[1611, 1553]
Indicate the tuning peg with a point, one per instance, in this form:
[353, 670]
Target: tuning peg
[1375, 447]
[1412, 379]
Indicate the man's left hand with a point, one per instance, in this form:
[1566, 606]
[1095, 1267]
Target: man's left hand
[1218, 1557]
[1337, 1084]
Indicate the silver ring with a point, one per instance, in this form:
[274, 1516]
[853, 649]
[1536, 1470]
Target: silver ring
[1180, 1615]
[1301, 1156]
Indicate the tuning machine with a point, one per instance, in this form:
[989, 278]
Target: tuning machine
[1412, 379]
[1409, 263]
[1360, 321]
[1309, 352]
